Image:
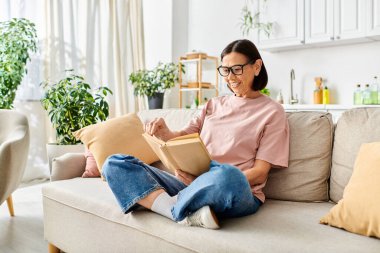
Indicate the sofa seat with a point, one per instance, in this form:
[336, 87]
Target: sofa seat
[86, 208]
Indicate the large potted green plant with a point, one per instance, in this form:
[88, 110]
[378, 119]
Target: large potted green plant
[153, 83]
[72, 105]
[18, 38]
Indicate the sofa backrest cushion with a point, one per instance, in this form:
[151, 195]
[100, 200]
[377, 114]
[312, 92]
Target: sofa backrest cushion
[354, 127]
[176, 119]
[306, 178]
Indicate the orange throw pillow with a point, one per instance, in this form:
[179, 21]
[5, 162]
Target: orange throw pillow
[121, 135]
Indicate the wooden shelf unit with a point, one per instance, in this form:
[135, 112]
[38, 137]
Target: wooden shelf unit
[198, 85]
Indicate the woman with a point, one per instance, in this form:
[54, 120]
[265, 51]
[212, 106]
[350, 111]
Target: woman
[246, 134]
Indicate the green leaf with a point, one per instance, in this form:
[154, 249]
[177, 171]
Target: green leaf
[17, 41]
[72, 105]
[159, 79]
[249, 21]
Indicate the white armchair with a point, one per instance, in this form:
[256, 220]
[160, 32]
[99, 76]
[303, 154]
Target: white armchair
[14, 148]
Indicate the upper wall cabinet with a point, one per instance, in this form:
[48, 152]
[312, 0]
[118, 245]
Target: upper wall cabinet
[350, 18]
[319, 21]
[373, 19]
[287, 17]
[310, 23]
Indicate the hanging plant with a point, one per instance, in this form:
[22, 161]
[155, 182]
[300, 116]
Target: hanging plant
[251, 21]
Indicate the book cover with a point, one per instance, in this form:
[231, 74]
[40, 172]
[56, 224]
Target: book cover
[187, 153]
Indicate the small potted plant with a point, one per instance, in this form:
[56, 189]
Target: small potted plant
[153, 83]
[72, 105]
[18, 39]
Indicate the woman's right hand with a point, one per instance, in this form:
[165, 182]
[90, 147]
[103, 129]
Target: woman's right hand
[185, 177]
[158, 128]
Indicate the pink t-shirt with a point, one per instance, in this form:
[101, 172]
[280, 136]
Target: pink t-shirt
[239, 130]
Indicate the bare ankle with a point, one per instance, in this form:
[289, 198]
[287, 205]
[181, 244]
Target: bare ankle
[147, 202]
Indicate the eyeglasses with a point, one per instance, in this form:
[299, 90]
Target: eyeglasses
[235, 69]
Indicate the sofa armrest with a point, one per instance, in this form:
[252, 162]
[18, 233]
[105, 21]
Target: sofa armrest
[68, 166]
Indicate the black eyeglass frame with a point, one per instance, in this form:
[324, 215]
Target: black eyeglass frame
[230, 69]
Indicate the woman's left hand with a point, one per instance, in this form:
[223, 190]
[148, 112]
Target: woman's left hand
[185, 177]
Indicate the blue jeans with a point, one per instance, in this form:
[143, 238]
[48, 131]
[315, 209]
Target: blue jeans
[224, 188]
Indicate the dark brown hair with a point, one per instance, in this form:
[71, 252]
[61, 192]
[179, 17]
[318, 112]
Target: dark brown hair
[247, 48]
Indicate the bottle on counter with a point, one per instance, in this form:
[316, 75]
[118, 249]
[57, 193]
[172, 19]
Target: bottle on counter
[280, 98]
[326, 95]
[358, 98]
[374, 91]
[318, 90]
[367, 95]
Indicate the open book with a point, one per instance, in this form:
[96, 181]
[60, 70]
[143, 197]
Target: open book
[187, 153]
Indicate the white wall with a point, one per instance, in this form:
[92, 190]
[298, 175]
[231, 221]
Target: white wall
[158, 31]
[213, 24]
[166, 36]
[180, 24]
[342, 66]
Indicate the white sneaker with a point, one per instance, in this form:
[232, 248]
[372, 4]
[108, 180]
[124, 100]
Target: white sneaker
[203, 217]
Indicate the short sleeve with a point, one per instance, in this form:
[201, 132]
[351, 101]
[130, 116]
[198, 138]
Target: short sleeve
[274, 142]
[195, 125]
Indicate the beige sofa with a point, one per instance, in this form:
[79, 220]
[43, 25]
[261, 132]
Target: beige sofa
[82, 215]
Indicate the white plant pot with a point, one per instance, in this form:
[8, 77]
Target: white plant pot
[54, 150]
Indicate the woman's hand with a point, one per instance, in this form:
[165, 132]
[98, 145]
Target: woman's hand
[158, 128]
[185, 177]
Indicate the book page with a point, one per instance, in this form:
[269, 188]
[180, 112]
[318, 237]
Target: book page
[187, 153]
[186, 136]
[158, 147]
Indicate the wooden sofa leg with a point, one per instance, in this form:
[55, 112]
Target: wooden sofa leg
[53, 249]
[10, 206]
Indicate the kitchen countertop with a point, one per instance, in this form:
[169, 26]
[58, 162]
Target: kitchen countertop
[323, 106]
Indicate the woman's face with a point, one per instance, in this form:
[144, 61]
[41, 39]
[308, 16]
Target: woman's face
[241, 84]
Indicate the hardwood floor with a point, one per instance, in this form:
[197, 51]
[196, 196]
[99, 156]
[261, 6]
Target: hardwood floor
[23, 233]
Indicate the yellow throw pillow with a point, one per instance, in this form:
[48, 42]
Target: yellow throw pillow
[359, 210]
[121, 135]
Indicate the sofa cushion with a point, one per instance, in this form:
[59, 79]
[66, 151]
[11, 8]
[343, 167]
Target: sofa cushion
[121, 135]
[359, 209]
[306, 178]
[278, 226]
[176, 119]
[66, 166]
[354, 127]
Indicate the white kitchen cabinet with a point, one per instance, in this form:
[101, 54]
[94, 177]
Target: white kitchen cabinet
[288, 23]
[319, 21]
[308, 23]
[373, 19]
[338, 21]
[350, 19]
